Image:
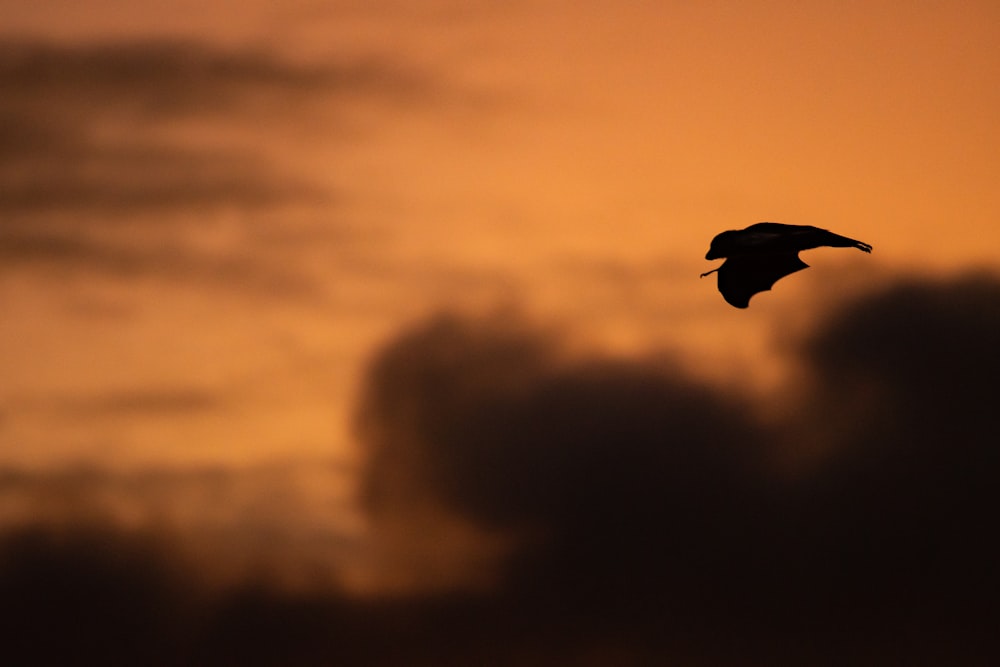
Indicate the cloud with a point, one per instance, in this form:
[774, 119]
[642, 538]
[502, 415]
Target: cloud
[641, 503]
[636, 498]
[155, 179]
[922, 351]
[84, 124]
[94, 596]
[905, 377]
[108, 253]
[589, 455]
[108, 147]
[289, 524]
[633, 511]
[161, 401]
[89, 595]
[164, 77]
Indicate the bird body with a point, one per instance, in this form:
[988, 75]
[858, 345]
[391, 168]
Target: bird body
[762, 254]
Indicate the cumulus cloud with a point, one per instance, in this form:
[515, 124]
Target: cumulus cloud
[640, 520]
[642, 502]
[601, 465]
[904, 377]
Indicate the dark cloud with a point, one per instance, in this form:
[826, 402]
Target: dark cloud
[642, 504]
[21, 134]
[903, 507]
[922, 351]
[172, 77]
[89, 596]
[57, 248]
[644, 523]
[113, 182]
[288, 523]
[99, 141]
[600, 461]
[82, 124]
[166, 402]
[637, 498]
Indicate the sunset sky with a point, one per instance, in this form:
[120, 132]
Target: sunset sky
[215, 218]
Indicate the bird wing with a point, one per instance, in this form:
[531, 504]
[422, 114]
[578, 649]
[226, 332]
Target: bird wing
[742, 277]
[777, 237]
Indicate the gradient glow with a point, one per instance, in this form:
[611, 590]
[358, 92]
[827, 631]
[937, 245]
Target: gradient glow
[566, 161]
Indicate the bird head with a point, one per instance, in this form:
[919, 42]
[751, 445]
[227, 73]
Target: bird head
[722, 245]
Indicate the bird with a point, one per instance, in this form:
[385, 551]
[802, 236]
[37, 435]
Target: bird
[764, 253]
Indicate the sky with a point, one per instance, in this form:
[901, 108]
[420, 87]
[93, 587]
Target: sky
[279, 279]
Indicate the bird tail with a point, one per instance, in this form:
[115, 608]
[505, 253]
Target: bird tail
[838, 241]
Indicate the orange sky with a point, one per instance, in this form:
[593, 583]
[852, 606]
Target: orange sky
[570, 160]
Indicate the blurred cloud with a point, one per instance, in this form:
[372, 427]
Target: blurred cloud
[583, 455]
[287, 523]
[628, 514]
[642, 503]
[119, 256]
[118, 156]
[86, 124]
[112, 181]
[160, 76]
[91, 595]
[521, 500]
[164, 401]
[903, 382]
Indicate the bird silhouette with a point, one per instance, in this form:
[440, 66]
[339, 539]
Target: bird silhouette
[764, 253]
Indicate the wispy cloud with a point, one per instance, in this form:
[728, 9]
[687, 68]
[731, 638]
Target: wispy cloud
[93, 126]
[284, 516]
[100, 140]
[157, 401]
[158, 78]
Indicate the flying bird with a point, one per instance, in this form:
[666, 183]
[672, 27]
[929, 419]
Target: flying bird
[762, 254]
